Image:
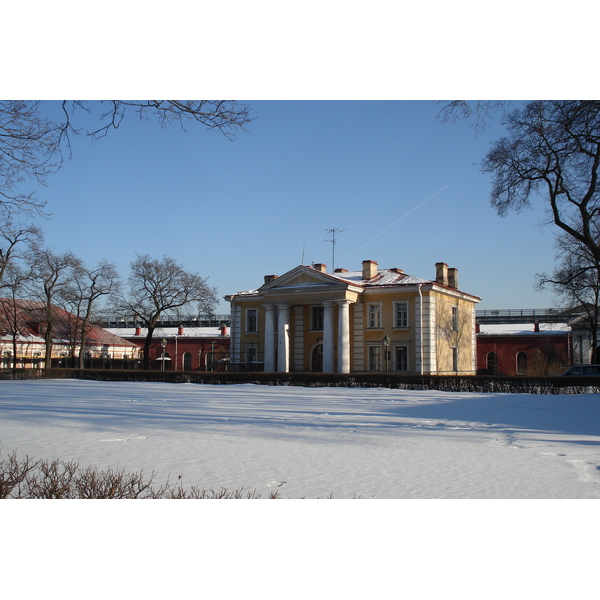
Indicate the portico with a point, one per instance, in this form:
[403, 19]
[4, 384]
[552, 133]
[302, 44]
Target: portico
[284, 336]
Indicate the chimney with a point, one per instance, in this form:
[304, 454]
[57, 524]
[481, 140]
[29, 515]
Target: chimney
[453, 278]
[223, 330]
[341, 270]
[138, 330]
[269, 278]
[320, 267]
[369, 269]
[180, 330]
[441, 273]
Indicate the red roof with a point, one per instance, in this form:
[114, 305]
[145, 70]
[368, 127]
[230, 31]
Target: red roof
[30, 314]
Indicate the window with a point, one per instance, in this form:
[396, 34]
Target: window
[401, 358]
[374, 358]
[374, 316]
[316, 318]
[251, 320]
[455, 359]
[492, 363]
[521, 363]
[401, 314]
[455, 318]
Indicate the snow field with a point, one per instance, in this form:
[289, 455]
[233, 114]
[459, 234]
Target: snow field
[490, 456]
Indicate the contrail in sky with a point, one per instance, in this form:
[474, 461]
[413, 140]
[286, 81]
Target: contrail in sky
[398, 221]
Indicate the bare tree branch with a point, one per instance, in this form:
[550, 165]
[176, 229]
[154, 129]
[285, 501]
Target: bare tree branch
[33, 147]
[552, 152]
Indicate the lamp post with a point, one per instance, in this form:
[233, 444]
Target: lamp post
[163, 343]
[386, 345]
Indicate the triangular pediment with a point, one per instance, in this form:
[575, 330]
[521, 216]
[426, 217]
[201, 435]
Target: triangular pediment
[305, 278]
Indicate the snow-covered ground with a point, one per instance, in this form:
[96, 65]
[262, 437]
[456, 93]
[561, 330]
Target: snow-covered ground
[313, 442]
[317, 442]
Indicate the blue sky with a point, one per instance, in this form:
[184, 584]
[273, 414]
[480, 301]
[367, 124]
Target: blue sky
[404, 188]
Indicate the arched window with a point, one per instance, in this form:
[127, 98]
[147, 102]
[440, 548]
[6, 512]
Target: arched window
[521, 363]
[187, 361]
[492, 362]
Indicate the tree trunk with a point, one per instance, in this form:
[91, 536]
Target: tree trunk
[82, 346]
[48, 342]
[147, 345]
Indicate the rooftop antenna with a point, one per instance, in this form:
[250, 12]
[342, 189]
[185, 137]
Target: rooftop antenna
[333, 231]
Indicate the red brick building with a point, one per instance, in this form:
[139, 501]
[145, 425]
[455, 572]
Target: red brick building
[524, 349]
[186, 348]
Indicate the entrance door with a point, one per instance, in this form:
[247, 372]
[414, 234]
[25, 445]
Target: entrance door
[316, 363]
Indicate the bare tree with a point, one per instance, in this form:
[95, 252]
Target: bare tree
[53, 273]
[15, 273]
[81, 294]
[12, 317]
[160, 285]
[32, 147]
[576, 281]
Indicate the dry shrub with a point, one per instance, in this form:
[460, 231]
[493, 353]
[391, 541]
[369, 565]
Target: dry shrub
[57, 479]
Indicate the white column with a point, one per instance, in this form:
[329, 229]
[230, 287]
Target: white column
[328, 344]
[344, 336]
[269, 354]
[283, 337]
[298, 364]
[236, 333]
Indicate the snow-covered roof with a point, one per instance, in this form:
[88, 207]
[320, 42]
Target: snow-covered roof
[188, 332]
[524, 329]
[384, 277]
[24, 339]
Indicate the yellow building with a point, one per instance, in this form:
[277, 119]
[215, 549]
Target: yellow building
[369, 320]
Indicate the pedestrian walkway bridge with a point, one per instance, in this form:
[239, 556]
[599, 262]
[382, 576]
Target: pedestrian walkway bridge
[524, 315]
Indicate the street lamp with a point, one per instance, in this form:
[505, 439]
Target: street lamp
[164, 345]
[386, 345]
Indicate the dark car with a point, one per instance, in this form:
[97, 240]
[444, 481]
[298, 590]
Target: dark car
[583, 371]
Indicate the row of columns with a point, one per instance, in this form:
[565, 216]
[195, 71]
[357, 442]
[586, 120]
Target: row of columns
[283, 337]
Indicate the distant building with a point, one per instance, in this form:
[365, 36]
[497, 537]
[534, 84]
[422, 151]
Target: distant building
[23, 324]
[535, 349]
[186, 348]
[352, 321]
